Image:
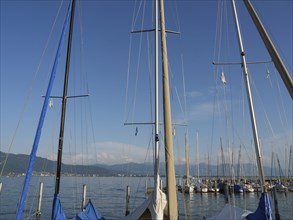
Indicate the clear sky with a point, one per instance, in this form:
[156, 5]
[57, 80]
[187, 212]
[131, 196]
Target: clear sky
[214, 110]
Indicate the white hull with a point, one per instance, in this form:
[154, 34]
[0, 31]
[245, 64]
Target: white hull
[188, 189]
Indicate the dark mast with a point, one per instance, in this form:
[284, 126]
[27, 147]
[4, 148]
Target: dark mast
[64, 101]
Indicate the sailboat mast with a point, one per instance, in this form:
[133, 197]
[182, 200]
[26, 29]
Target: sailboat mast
[187, 160]
[64, 101]
[290, 162]
[197, 155]
[169, 155]
[251, 108]
[271, 48]
[157, 180]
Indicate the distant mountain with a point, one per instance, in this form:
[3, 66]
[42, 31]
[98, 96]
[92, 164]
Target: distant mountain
[204, 170]
[131, 169]
[17, 164]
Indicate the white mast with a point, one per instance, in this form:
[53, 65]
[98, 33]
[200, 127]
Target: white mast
[251, 108]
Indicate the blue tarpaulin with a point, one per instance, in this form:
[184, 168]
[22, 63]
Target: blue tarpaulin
[89, 213]
[57, 211]
[264, 209]
[238, 188]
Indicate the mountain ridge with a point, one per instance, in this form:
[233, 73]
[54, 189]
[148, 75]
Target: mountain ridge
[17, 164]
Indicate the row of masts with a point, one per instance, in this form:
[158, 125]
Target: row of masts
[169, 155]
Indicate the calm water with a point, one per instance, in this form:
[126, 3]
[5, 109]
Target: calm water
[108, 196]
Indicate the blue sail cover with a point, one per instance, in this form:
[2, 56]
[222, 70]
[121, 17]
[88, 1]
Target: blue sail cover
[238, 188]
[57, 211]
[41, 122]
[264, 209]
[89, 213]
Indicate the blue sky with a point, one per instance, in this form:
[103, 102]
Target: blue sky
[102, 66]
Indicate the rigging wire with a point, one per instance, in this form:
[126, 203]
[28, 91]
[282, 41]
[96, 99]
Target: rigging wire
[174, 14]
[127, 78]
[223, 39]
[184, 88]
[29, 92]
[134, 19]
[141, 11]
[218, 36]
[150, 77]
[126, 114]
[144, 162]
[138, 65]
[267, 120]
[138, 10]
[85, 111]
[257, 94]
[280, 97]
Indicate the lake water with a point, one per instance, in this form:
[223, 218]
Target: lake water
[108, 196]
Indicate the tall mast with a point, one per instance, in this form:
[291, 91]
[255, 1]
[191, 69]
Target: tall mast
[64, 101]
[157, 178]
[187, 160]
[251, 108]
[223, 158]
[290, 162]
[197, 155]
[271, 49]
[169, 155]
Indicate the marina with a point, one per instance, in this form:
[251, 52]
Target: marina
[110, 194]
[225, 135]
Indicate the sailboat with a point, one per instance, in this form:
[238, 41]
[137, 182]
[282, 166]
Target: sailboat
[158, 205]
[88, 212]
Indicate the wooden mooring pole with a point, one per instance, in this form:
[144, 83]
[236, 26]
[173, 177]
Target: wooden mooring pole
[83, 197]
[38, 213]
[277, 215]
[127, 200]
